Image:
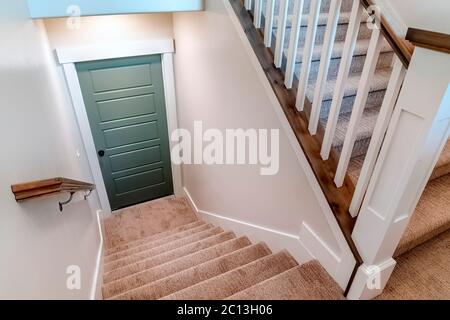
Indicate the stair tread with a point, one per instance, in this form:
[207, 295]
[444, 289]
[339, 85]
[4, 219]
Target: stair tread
[365, 126]
[177, 265]
[431, 217]
[338, 48]
[167, 256]
[422, 273]
[443, 164]
[227, 284]
[306, 282]
[156, 243]
[196, 274]
[147, 219]
[344, 18]
[379, 82]
[157, 250]
[157, 236]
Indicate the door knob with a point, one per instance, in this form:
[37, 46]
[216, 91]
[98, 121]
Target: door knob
[101, 153]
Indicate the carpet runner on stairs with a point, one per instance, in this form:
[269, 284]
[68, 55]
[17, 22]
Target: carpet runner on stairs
[195, 260]
[431, 217]
[422, 273]
[379, 82]
[443, 164]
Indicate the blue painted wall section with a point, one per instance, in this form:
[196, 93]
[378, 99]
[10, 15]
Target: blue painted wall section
[64, 8]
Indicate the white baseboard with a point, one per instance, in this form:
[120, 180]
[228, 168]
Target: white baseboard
[338, 266]
[370, 281]
[96, 290]
[304, 247]
[276, 240]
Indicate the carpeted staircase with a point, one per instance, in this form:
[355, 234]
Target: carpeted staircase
[160, 250]
[379, 82]
[428, 229]
[423, 255]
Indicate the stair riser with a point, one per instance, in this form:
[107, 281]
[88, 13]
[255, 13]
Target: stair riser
[440, 172]
[142, 241]
[157, 273]
[341, 32]
[230, 283]
[374, 99]
[166, 257]
[202, 272]
[154, 244]
[325, 6]
[357, 66]
[152, 252]
[360, 149]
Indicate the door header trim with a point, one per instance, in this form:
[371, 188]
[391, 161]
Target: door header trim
[111, 51]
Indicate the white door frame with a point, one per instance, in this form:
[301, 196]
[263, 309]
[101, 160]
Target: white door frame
[67, 57]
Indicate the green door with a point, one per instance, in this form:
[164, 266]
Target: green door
[125, 104]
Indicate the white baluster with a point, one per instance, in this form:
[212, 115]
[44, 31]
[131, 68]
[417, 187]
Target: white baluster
[344, 69]
[390, 99]
[373, 53]
[270, 10]
[308, 53]
[281, 32]
[257, 14]
[330, 36]
[248, 4]
[293, 43]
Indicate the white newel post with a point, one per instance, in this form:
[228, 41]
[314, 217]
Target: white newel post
[417, 133]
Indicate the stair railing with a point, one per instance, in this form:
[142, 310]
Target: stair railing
[381, 32]
[411, 129]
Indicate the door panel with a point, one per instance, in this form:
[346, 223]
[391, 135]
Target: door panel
[125, 104]
[126, 107]
[134, 159]
[139, 180]
[109, 79]
[117, 137]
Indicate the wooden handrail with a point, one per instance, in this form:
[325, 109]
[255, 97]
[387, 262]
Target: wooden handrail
[402, 48]
[41, 188]
[429, 39]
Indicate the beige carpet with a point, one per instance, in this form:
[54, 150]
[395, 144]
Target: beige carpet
[443, 165]
[431, 217]
[309, 276]
[422, 273]
[146, 220]
[151, 255]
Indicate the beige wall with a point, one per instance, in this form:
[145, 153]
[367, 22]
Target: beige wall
[429, 15]
[217, 83]
[39, 139]
[110, 29]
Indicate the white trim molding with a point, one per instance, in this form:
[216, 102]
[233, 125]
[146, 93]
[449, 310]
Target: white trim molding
[339, 265]
[69, 56]
[112, 51]
[276, 240]
[370, 281]
[96, 290]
